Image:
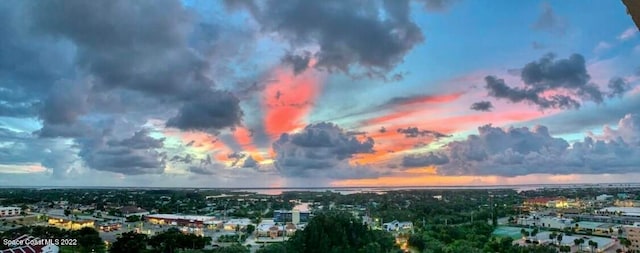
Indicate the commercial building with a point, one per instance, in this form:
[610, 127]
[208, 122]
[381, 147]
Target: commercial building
[234, 224]
[604, 244]
[182, 220]
[294, 216]
[545, 221]
[633, 235]
[620, 211]
[69, 223]
[8, 211]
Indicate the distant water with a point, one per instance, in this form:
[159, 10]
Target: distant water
[382, 190]
[351, 190]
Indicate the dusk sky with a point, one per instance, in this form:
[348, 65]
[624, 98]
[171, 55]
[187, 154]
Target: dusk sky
[290, 93]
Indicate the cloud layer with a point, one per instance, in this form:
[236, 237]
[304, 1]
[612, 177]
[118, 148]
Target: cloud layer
[523, 151]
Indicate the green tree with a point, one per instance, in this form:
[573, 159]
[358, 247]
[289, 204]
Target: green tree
[130, 242]
[89, 240]
[339, 232]
[251, 228]
[234, 248]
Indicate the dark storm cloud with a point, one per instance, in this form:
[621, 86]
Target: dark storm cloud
[414, 132]
[414, 161]
[348, 33]
[550, 74]
[520, 151]
[65, 103]
[550, 22]
[212, 110]
[142, 46]
[28, 64]
[73, 130]
[618, 87]
[321, 150]
[138, 45]
[138, 154]
[484, 106]
[299, 62]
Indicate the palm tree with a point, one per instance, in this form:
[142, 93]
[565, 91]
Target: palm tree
[625, 243]
[534, 233]
[593, 245]
[524, 232]
[559, 237]
[553, 236]
[578, 243]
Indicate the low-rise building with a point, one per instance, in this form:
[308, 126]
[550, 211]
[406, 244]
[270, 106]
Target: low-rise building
[128, 211]
[69, 223]
[633, 235]
[397, 226]
[604, 197]
[183, 220]
[8, 211]
[295, 216]
[234, 224]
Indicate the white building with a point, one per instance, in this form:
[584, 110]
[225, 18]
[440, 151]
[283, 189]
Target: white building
[397, 225]
[546, 222]
[7, 211]
[236, 223]
[604, 197]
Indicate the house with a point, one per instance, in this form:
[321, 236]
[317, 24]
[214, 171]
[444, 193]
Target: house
[30, 244]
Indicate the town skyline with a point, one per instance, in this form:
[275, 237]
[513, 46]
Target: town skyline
[290, 94]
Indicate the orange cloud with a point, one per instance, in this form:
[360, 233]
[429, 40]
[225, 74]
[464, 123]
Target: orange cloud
[244, 137]
[288, 100]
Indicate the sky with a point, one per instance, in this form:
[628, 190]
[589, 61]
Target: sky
[334, 93]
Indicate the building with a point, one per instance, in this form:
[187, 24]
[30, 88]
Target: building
[604, 244]
[626, 203]
[545, 221]
[283, 216]
[8, 211]
[182, 220]
[551, 202]
[633, 235]
[70, 224]
[128, 211]
[604, 197]
[234, 224]
[620, 211]
[398, 226]
[30, 244]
